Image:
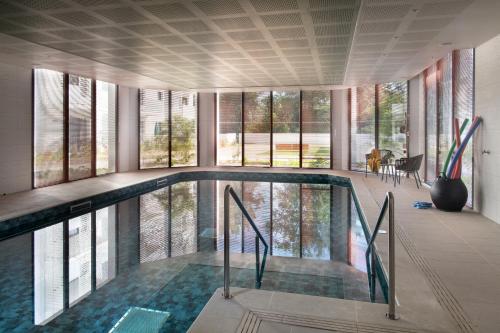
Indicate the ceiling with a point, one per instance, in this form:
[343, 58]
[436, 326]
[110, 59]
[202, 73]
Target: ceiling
[208, 44]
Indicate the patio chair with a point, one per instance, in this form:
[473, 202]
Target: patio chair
[385, 155]
[409, 166]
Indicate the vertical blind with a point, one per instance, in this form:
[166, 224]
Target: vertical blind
[362, 125]
[316, 129]
[105, 127]
[286, 128]
[80, 257]
[229, 129]
[463, 105]
[184, 128]
[257, 128]
[445, 109]
[80, 127]
[431, 124]
[154, 128]
[53, 163]
[49, 127]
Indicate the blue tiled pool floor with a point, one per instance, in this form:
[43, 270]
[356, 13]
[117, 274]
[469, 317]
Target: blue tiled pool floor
[180, 289]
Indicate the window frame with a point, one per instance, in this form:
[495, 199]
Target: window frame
[66, 129]
[169, 92]
[271, 109]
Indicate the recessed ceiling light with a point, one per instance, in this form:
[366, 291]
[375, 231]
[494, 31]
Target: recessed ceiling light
[415, 10]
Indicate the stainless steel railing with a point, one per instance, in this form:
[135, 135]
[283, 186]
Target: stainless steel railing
[259, 266]
[371, 261]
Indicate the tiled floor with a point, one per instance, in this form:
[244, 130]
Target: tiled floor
[448, 273]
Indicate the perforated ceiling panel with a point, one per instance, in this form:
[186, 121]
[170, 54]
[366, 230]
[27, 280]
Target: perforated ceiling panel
[229, 43]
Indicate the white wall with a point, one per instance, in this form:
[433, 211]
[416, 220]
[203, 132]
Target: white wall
[340, 130]
[487, 99]
[15, 129]
[207, 126]
[128, 129]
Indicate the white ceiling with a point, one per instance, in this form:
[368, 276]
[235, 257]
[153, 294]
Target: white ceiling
[206, 44]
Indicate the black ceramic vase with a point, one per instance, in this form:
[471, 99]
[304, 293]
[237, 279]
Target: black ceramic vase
[449, 194]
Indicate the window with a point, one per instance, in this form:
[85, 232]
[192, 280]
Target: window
[105, 247]
[362, 125]
[431, 125]
[154, 224]
[286, 128]
[168, 128]
[48, 128]
[257, 129]
[463, 105]
[80, 128]
[274, 129]
[105, 127]
[183, 214]
[229, 129]
[48, 273]
[316, 128]
[80, 256]
[286, 219]
[445, 110]
[73, 137]
[184, 127]
[392, 100]
[316, 220]
[154, 129]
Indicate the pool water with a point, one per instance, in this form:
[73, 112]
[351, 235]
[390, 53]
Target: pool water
[159, 255]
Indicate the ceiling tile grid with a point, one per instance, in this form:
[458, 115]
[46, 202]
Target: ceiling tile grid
[236, 43]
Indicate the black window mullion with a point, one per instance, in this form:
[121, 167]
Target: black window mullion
[170, 128]
[377, 118]
[242, 129]
[300, 131]
[93, 130]
[271, 127]
[66, 128]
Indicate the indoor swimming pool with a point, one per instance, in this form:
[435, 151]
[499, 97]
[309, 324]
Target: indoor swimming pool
[156, 257]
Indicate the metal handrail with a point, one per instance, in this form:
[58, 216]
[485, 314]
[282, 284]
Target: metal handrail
[388, 203]
[259, 267]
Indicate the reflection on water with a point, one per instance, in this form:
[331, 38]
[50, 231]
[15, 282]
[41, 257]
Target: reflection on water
[70, 260]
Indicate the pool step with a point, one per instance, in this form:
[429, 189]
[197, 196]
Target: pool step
[252, 323]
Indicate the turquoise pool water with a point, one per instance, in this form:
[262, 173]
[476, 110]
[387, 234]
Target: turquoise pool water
[161, 252]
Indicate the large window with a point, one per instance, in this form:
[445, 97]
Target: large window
[105, 127]
[362, 125]
[274, 128]
[286, 128]
[74, 128]
[49, 128]
[229, 129]
[316, 128]
[257, 129]
[168, 128]
[449, 94]
[392, 100]
[431, 125]
[463, 106]
[80, 127]
[154, 128]
[184, 128]
[378, 119]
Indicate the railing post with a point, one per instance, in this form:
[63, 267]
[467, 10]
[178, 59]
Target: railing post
[257, 262]
[392, 261]
[227, 293]
[373, 274]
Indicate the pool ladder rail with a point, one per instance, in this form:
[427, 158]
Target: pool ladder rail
[371, 262]
[259, 266]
